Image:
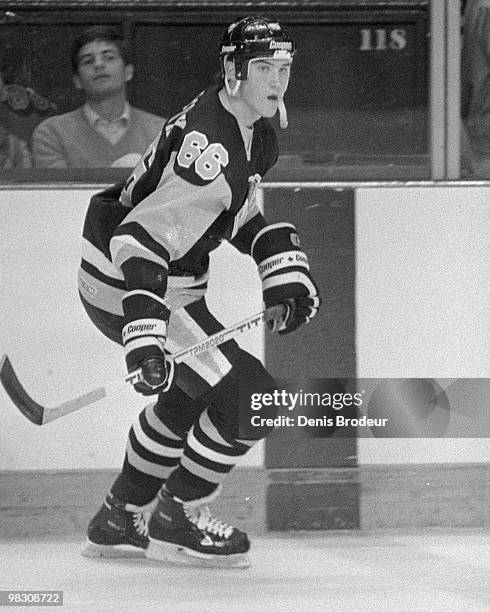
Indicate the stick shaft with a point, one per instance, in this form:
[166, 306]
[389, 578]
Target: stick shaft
[41, 415]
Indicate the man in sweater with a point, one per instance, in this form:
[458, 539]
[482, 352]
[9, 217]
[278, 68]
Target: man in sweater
[106, 131]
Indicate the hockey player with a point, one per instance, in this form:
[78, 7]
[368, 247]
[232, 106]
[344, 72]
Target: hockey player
[143, 282]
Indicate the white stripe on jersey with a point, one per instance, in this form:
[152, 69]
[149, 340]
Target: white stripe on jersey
[126, 246]
[100, 294]
[96, 258]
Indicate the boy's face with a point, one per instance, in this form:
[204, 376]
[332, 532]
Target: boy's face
[265, 86]
[101, 70]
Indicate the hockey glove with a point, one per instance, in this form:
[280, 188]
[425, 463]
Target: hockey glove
[144, 336]
[285, 274]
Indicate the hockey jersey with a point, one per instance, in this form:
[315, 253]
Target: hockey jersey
[193, 188]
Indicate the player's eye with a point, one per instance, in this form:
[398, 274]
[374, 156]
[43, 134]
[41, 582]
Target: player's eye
[86, 60]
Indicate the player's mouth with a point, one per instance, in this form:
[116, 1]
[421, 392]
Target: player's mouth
[273, 98]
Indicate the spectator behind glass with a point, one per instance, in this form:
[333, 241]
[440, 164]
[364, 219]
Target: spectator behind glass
[475, 88]
[14, 152]
[106, 131]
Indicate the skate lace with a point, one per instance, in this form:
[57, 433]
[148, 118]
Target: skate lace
[203, 519]
[140, 522]
[141, 516]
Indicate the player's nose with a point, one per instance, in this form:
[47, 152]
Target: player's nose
[275, 80]
[99, 61]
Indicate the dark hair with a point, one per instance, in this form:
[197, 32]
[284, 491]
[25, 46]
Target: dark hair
[95, 33]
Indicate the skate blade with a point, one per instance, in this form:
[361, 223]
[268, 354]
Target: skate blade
[121, 551]
[179, 555]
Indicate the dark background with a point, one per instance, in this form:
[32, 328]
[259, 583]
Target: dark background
[353, 111]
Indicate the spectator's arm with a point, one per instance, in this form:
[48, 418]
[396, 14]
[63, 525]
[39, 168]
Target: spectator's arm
[17, 154]
[23, 155]
[47, 149]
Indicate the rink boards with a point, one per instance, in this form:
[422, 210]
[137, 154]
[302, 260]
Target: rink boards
[401, 270]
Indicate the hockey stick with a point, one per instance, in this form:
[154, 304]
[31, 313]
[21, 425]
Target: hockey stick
[40, 415]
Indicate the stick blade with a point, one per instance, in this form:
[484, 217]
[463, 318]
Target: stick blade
[29, 408]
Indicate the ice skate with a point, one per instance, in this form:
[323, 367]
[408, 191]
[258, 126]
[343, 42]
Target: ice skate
[118, 530]
[187, 533]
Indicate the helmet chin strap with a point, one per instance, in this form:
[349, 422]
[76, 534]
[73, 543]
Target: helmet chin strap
[283, 115]
[232, 91]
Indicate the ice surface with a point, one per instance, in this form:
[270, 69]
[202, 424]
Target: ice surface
[351, 571]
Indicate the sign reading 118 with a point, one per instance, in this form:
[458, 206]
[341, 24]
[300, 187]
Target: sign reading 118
[381, 39]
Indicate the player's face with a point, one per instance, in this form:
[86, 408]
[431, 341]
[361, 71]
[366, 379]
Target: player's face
[265, 85]
[101, 70]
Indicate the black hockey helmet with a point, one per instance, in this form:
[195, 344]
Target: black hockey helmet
[253, 37]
